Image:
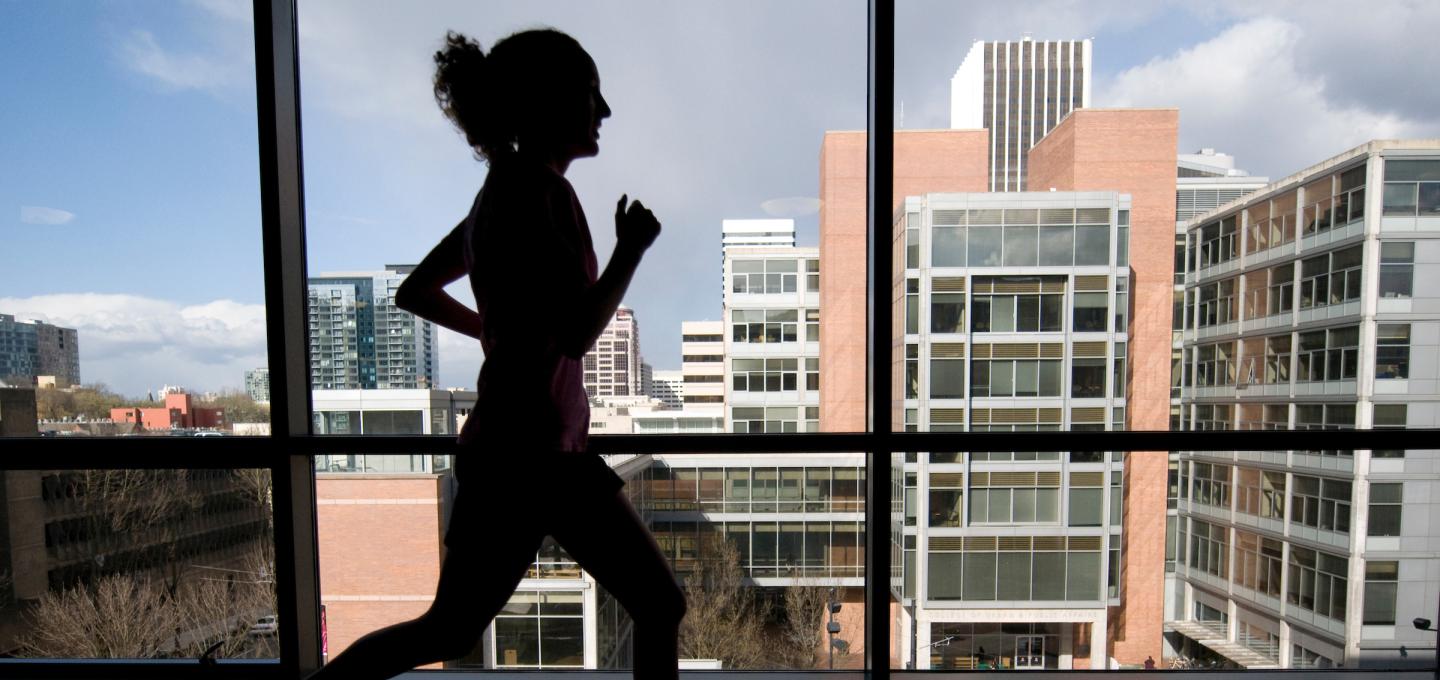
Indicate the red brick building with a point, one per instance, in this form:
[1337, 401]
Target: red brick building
[178, 412]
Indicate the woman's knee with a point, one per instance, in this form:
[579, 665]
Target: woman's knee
[665, 606]
[451, 634]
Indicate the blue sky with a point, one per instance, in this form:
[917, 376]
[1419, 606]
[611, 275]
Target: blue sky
[129, 198]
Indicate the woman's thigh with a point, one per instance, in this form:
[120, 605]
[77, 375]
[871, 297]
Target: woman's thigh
[610, 541]
[489, 547]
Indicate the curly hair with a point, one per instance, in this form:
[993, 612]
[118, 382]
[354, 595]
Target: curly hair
[487, 97]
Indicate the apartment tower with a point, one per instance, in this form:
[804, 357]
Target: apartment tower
[359, 339]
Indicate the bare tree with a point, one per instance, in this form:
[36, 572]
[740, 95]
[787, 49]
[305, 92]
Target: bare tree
[722, 619]
[148, 596]
[804, 624]
[121, 616]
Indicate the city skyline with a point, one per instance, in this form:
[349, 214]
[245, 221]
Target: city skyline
[386, 177]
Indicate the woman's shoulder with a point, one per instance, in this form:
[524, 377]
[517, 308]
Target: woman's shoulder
[524, 178]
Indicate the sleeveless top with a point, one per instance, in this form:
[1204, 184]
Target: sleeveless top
[530, 257]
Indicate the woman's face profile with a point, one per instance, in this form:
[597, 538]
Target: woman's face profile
[570, 119]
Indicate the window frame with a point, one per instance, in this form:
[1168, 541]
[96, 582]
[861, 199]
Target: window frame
[288, 452]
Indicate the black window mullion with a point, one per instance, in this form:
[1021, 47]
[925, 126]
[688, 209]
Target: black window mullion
[277, 88]
[879, 173]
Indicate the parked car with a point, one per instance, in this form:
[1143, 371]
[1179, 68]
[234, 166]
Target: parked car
[267, 625]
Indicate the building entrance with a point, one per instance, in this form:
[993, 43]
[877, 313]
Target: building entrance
[1029, 652]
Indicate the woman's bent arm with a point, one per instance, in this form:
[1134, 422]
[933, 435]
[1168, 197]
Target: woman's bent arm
[635, 229]
[423, 291]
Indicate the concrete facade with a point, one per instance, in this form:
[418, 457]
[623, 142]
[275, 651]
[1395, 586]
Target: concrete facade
[1311, 304]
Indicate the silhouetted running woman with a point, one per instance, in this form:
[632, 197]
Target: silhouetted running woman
[529, 108]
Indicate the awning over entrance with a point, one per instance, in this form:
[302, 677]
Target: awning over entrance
[1243, 656]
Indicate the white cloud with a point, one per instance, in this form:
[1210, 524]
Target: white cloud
[36, 214]
[1244, 91]
[134, 343]
[144, 55]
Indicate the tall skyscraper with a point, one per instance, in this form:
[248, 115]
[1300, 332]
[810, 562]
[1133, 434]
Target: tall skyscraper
[359, 339]
[1019, 91]
[29, 350]
[613, 367]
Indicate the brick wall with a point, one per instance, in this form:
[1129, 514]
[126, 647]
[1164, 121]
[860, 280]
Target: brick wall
[380, 548]
[1132, 151]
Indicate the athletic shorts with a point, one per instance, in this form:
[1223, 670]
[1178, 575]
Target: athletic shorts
[534, 489]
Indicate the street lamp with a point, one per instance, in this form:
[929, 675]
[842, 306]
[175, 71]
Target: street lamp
[833, 628]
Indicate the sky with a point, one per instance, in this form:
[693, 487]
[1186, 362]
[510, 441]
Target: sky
[129, 189]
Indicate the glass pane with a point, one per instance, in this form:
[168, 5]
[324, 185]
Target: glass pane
[138, 564]
[135, 156]
[388, 178]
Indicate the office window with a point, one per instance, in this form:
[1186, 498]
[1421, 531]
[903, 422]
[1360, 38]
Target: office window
[1392, 351]
[764, 375]
[1412, 187]
[1261, 493]
[1386, 504]
[763, 325]
[1319, 210]
[1280, 293]
[912, 306]
[1215, 364]
[1019, 505]
[1017, 313]
[1259, 563]
[1209, 548]
[1381, 587]
[1389, 417]
[1317, 582]
[1324, 416]
[947, 246]
[1350, 201]
[947, 312]
[1210, 485]
[1086, 507]
[912, 240]
[947, 378]
[764, 277]
[1397, 269]
[1331, 354]
[1091, 312]
[1331, 278]
[1087, 378]
[1218, 243]
[1014, 378]
[1321, 503]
